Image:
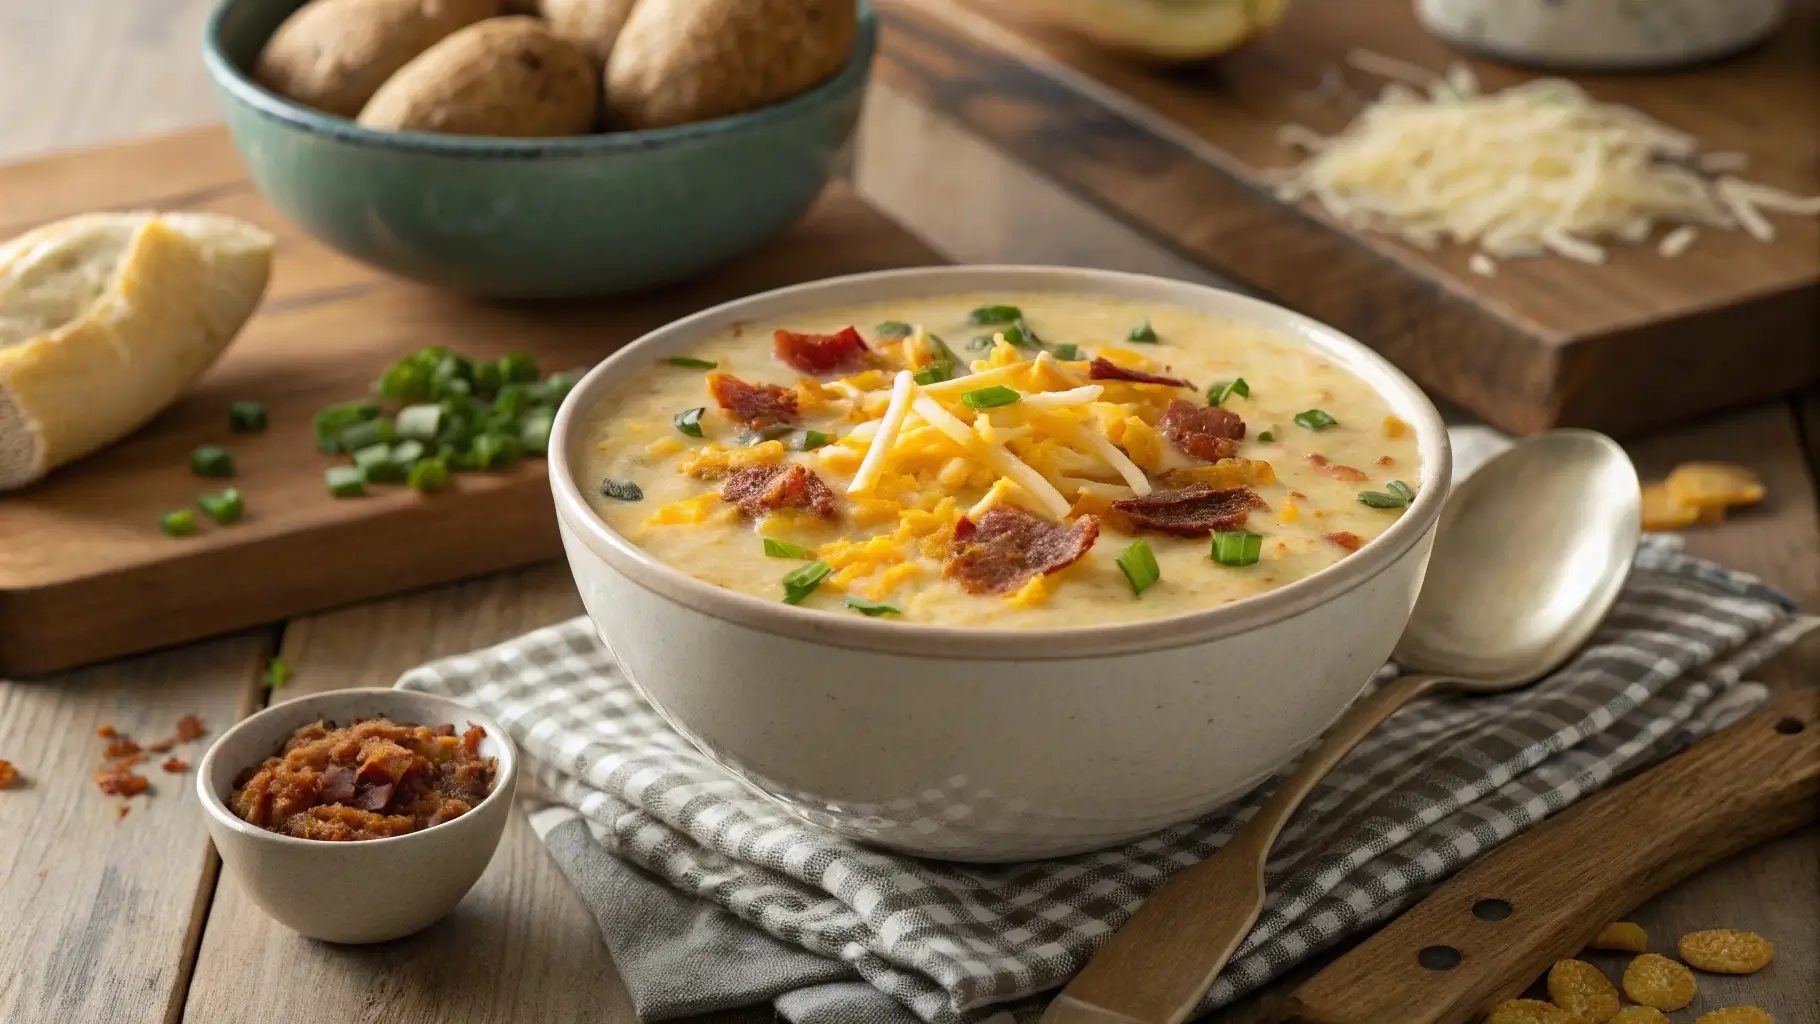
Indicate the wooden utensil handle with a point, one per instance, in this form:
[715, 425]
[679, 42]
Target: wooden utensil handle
[1504, 920]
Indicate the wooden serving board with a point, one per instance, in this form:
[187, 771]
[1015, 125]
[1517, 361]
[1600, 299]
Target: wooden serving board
[85, 573]
[1185, 153]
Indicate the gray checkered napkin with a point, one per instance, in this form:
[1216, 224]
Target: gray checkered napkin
[711, 898]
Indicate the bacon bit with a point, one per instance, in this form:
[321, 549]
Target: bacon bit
[7, 774]
[470, 740]
[121, 782]
[163, 746]
[755, 405]
[106, 732]
[823, 355]
[1385, 460]
[1349, 541]
[127, 762]
[1321, 465]
[1194, 511]
[1209, 434]
[189, 727]
[174, 765]
[760, 489]
[1009, 547]
[1105, 369]
[122, 811]
[120, 748]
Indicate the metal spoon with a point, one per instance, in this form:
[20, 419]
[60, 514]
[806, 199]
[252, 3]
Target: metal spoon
[1530, 553]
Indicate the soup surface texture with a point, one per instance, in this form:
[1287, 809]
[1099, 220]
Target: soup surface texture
[999, 460]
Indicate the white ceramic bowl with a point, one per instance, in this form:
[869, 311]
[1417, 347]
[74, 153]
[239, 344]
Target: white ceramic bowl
[355, 892]
[992, 744]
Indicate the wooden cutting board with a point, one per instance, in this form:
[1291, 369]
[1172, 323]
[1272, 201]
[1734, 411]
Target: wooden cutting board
[85, 573]
[1184, 154]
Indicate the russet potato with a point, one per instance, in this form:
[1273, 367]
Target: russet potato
[594, 24]
[504, 76]
[333, 55]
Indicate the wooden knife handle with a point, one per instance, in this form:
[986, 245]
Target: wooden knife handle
[1544, 895]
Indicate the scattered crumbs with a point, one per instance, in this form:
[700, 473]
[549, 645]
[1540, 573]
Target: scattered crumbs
[189, 727]
[163, 746]
[1482, 265]
[175, 765]
[1385, 460]
[43, 872]
[105, 731]
[122, 747]
[123, 810]
[7, 774]
[120, 781]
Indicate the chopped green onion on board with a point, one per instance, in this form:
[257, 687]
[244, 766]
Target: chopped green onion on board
[247, 417]
[344, 481]
[211, 460]
[225, 507]
[428, 475]
[178, 523]
[277, 672]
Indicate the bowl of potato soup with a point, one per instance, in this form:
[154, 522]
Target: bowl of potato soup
[993, 563]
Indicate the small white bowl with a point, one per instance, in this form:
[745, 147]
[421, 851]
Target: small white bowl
[355, 892]
[997, 744]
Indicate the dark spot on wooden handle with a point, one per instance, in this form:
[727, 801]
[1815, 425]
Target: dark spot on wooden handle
[1491, 910]
[1439, 958]
[1790, 726]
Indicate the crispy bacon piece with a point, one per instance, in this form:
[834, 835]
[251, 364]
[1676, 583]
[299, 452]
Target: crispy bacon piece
[163, 746]
[755, 405]
[1325, 468]
[1009, 547]
[120, 748]
[189, 727]
[1105, 369]
[105, 731]
[1194, 511]
[121, 782]
[122, 811]
[1347, 540]
[175, 765]
[823, 355]
[760, 489]
[7, 774]
[1208, 433]
[470, 740]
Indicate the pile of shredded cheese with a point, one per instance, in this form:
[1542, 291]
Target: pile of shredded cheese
[1534, 169]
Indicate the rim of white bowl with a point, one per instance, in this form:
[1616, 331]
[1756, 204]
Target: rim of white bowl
[1406, 400]
[219, 810]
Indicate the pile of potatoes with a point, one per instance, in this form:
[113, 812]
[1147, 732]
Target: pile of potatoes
[539, 68]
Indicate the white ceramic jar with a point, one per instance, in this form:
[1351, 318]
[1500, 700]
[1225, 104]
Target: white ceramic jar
[1598, 35]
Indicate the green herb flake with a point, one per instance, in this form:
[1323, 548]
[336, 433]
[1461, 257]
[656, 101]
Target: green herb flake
[1219, 393]
[179, 523]
[942, 352]
[1019, 335]
[691, 363]
[1237, 548]
[995, 315]
[1395, 494]
[277, 672]
[990, 398]
[808, 440]
[775, 548]
[934, 373]
[1067, 351]
[344, 481]
[621, 490]
[224, 507]
[1315, 419]
[211, 460]
[981, 343]
[247, 418]
[872, 609]
[1138, 563]
[689, 421]
[1401, 490]
[800, 583]
[894, 329]
[1143, 333]
[1267, 436]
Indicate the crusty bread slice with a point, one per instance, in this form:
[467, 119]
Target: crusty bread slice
[106, 318]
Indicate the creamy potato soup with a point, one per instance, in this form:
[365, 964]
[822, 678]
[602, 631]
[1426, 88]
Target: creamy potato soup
[1017, 460]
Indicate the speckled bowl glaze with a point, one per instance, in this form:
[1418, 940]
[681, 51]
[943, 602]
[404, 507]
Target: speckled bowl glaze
[588, 215]
[354, 892]
[995, 744]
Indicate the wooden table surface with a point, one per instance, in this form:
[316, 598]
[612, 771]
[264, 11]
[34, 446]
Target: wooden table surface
[105, 919]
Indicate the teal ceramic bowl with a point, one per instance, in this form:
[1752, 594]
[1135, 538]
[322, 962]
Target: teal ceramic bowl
[588, 215]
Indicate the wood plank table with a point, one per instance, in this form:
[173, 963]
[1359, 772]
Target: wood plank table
[127, 920]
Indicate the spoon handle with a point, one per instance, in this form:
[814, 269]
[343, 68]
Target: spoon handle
[1156, 968]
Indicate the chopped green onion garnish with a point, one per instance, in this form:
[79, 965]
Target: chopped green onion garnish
[406, 453]
[366, 434]
[277, 672]
[518, 367]
[419, 422]
[1238, 547]
[1143, 332]
[246, 417]
[1067, 351]
[1401, 490]
[496, 451]
[1218, 394]
[989, 398]
[1021, 336]
[534, 430]
[800, 583]
[180, 523]
[808, 440]
[942, 352]
[872, 608]
[691, 363]
[376, 465]
[224, 508]
[1314, 419]
[622, 490]
[934, 373]
[995, 315]
[894, 329]
[212, 460]
[775, 548]
[428, 475]
[768, 432]
[1380, 499]
[1267, 436]
[1138, 563]
[689, 421]
[981, 342]
[345, 481]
